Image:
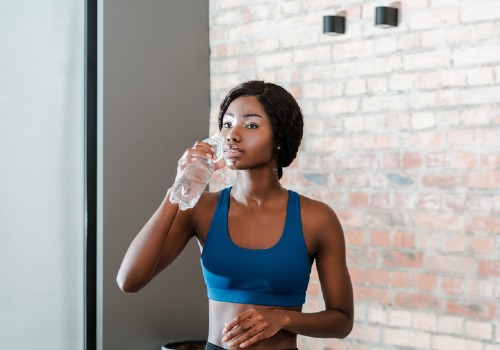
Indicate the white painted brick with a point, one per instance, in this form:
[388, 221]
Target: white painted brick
[248, 30]
[479, 330]
[486, 30]
[448, 118]
[416, 5]
[309, 55]
[375, 122]
[431, 59]
[313, 90]
[387, 103]
[450, 324]
[377, 315]
[459, 34]
[287, 8]
[453, 77]
[355, 87]
[366, 332]
[401, 81]
[314, 126]
[424, 99]
[223, 81]
[385, 45]
[446, 343]
[440, 3]
[479, 11]
[433, 19]
[434, 38]
[423, 120]
[480, 95]
[400, 318]
[342, 51]
[480, 76]
[263, 44]
[273, 60]
[424, 321]
[378, 84]
[428, 80]
[337, 106]
[414, 339]
[226, 18]
[409, 41]
[372, 66]
[300, 38]
[480, 54]
[476, 116]
[333, 89]
[353, 123]
[327, 144]
[334, 70]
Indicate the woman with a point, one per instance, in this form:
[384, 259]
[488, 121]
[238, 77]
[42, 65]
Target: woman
[259, 240]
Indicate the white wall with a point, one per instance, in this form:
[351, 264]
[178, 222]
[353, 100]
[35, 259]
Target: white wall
[154, 103]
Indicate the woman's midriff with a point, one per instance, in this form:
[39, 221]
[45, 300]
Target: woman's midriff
[222, 312]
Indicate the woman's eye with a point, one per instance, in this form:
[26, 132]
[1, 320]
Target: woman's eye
[252, 126]
[226, 125]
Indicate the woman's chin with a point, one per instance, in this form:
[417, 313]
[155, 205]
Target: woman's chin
[231, 163]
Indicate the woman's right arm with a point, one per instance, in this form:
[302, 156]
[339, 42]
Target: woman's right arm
[164, 236]
[158, 243]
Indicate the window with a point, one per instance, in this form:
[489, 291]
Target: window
[42, 133]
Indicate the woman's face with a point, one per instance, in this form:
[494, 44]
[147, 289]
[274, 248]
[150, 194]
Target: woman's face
[248, 135]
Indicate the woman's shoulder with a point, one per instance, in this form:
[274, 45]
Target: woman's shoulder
[209, 198]
[208, 201]
[310, 206]
[317, 215]
[204, 211]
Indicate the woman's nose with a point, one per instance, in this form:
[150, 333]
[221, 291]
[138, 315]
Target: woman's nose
[233, 135]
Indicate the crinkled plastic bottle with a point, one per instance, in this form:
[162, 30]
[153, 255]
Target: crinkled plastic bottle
[194, 179]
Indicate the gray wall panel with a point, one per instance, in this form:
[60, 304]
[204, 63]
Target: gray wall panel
[154, 102]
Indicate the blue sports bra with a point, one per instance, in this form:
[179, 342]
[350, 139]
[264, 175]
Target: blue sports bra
[276, 276]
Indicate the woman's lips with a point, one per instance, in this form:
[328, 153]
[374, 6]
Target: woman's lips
[232, 151]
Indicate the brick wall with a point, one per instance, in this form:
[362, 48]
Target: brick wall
[402, 139]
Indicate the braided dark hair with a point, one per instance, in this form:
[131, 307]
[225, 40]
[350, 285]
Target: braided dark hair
[283, 110]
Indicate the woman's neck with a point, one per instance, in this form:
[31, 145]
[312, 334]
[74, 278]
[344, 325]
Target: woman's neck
[256, 186]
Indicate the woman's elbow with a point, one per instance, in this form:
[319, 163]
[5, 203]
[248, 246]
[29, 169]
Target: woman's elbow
[348, 325]
[347, 330]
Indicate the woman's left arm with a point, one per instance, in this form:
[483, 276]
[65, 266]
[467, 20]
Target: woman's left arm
[336, 320]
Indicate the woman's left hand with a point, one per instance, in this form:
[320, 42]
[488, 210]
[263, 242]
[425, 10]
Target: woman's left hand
[251, 326]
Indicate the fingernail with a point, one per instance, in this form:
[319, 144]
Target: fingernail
[208, 155]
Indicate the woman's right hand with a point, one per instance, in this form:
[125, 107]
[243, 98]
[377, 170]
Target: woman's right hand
[200, 150]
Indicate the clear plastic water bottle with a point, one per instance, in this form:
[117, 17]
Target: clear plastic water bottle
[188, 187]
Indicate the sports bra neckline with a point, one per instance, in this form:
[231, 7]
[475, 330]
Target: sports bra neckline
[257, 250]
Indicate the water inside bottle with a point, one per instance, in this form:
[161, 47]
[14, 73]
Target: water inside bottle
[218, 147]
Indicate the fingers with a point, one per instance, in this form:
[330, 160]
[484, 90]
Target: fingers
[199, 150]
[220, 164]
[251, 336]
[237, 320]
[246, 329]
